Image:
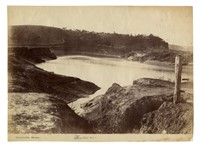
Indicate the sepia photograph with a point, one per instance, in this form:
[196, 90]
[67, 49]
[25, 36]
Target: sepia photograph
[100, 73]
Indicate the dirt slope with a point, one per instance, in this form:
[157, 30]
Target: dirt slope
[121, 109]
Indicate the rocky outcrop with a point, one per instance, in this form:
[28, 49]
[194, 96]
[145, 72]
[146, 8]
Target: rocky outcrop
[122, 109]
[169, 119]
[161, 56]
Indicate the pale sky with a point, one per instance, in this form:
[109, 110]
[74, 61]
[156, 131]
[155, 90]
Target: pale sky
[173, 24]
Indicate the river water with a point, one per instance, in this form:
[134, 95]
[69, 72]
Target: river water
[106, 71]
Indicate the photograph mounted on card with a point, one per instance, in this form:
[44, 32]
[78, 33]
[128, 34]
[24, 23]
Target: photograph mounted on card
[100, 73]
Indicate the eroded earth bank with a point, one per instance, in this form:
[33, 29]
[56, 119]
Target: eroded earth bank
[38, 99]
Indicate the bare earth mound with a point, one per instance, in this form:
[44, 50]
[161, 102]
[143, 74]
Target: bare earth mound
[123, 109]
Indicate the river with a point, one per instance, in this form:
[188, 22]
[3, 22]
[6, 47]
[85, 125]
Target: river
[104, 72]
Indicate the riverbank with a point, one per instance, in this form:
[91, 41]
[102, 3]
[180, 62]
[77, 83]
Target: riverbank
[160, 58]
[38, 99]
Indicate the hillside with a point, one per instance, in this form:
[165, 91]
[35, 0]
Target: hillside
[35, 36]
[42, 35]
[66, 41]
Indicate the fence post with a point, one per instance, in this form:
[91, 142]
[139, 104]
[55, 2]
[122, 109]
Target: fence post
[178, 71]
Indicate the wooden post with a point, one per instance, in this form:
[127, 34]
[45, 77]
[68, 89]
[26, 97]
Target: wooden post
[178, 71]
